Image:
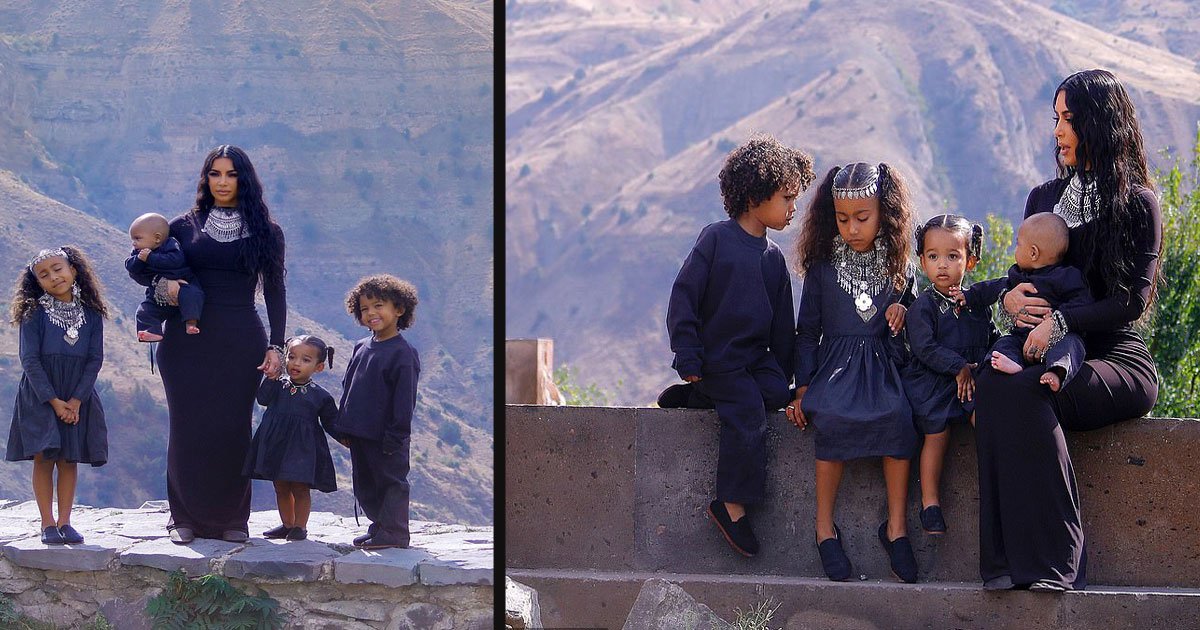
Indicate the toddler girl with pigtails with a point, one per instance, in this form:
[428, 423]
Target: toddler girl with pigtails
[853, 254]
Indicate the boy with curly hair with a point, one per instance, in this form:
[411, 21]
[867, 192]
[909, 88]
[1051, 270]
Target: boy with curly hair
[731, 323]
[379, 394]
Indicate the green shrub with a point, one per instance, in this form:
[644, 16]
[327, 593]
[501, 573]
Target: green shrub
[210, 601]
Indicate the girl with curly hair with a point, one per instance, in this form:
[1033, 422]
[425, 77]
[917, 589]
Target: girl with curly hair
[858, 282]
[233, 247]
[731, 324]
[1030, 530]
[57, 419]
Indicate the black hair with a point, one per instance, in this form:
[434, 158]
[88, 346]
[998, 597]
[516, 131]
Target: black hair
[1110, 140]
[325, 351]
[27, 290]
[970, 233]
[895, 224]
[384, 287]
[262, 251]
[755, 171]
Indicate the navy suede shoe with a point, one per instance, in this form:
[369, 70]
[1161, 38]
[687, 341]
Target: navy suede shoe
[738, 534]
[932, 520]
[675, 396]
[51, 536]
[900, 555]
[69, 535]
[833, 558]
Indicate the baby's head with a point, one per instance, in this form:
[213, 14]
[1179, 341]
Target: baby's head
[948, 246]
[1042, 241]
[149, 231]
[761, 170]
[307, 355]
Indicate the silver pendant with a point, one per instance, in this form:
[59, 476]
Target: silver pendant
[862, 302]
[72, 336]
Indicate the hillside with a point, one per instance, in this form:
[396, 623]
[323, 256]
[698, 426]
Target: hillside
[370, 126]
[611, 159]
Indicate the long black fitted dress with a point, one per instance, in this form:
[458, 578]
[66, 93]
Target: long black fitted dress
[1029, 515]
[210, 381]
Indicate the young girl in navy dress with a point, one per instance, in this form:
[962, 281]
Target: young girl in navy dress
[948, 343]
[853, 254]
[57, 420]
[289, 446]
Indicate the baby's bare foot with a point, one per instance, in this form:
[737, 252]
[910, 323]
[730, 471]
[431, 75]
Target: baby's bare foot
[1051, 380]
[191, 327]
[1004, 364]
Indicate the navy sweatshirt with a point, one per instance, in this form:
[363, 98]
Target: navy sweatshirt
[379, 392]
[731, 303]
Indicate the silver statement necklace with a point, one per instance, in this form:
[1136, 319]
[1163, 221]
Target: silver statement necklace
[65, 315]
[1079, 203]
[861, 275]
[224, 225]
[294, 387]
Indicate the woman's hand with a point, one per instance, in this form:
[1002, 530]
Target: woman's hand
[895, 317]
[966, 382]
[272, 365]
[1027, 311]
[1038, 341]
[793, 410]
[173, 291]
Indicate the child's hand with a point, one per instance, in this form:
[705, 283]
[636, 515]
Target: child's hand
[143, 254]
[966, 382]
[895, 317]
[793, 410]
[73, 405]
[691, 379]
[958, 294]
[60, 409]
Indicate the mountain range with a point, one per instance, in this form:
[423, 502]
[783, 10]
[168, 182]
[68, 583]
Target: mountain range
[619, 116]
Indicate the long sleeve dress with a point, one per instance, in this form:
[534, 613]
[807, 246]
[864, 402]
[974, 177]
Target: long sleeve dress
[53, 368]
[1029, 520]
[211, 380]
[846, 356]
[290, 443]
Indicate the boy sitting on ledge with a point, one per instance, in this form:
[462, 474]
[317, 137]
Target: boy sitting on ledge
[731, 323]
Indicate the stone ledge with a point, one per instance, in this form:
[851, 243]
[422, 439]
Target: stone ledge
[647, 475]
[322, 582]
[455, 554]
[604, 599]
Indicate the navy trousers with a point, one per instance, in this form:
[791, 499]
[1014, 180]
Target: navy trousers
[1067, 354]
[151, 314]
[381, 487]
[742, 398]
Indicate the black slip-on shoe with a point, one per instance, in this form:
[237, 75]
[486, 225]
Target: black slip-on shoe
[1047, 586]
[51, 536]
[277, 532]
[69, 535]
[372, 529]
[234, 536]
[900, 555]
[833, 558]
[297, 533]
[738, 534]
[675, 396]
[932, 520]
[382, 541]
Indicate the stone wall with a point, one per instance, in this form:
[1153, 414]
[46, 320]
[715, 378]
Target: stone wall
[443, 581]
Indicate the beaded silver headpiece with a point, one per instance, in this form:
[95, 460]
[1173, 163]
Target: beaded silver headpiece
[46, 254]
[856, 181]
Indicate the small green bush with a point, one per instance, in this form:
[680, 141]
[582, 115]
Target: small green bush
[210, 601]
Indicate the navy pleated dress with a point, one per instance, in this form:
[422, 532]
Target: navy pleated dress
[942, 340]
[53, 368]
[290, 443]
[855, 400]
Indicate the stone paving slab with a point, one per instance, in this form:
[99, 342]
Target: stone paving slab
[290, 561]
[96, 553]
[389, 567]
[195, 559]
[463, 556]
[144, 524]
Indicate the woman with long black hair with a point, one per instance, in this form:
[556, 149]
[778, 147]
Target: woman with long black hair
[1030, 529]
[233, 246]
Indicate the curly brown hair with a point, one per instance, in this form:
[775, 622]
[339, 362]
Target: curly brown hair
[399, 292]
[895, 224]
[755, 171]
[27, 290]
